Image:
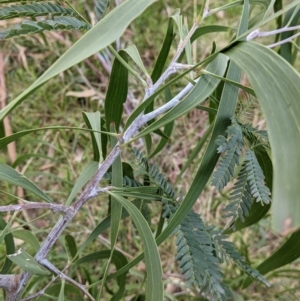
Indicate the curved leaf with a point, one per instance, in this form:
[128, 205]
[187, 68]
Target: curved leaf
[133, 52]
[71, 245]
[28, 237]
[28, 263]
[154, 289]
[10, 175]
[279, 98]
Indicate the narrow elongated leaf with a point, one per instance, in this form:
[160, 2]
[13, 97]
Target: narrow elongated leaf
[11, 176]
[87, 173]
[93, 121]
[28, 263]
[278, 96]
[10, 247]
[208, 29]
[287, 253]
[116, 207]
[6, 140]
[154, 289]
[164, 52]
[156, 73]
[101, 35]
[116, 181]
[133, 52]
[277, 7]
[61, 296]
[28, 237]
[71, 245]
[117, 92]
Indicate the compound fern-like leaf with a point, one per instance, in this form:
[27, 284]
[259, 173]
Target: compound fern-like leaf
[101, 7]
[58, 23]
[35, 10]
[201, 250]
[226, 250]
[154, 174]
[232, 147]
[257, 138]
[241, 198]
[256, 179]
[127, 182]
[195, 253]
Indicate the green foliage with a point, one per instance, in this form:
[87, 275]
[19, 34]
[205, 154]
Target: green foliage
[232, 147]
[245, 151]
[35, 10]
[195, 253]
[226, 250]
[101, 7]
[255, 136]
[256, 178]
[240, 197]
[127, 182]
[58, 23]
[155, 176]
[59, 18]
[200, 250]
[249, 184]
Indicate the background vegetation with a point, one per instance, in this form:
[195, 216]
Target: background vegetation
[54, 159]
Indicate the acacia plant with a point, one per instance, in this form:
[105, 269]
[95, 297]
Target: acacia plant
[248, 155]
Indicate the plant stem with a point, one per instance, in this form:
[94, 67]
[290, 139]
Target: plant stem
[91, 190]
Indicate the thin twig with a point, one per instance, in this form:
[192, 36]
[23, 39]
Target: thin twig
[170, 104]
[47, 264]
[35, 205]
[9, 282]
[288, 40]
[41, 292]
[258, 34]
